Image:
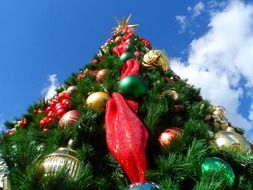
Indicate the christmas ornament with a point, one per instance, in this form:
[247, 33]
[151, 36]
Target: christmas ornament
[125, 56]
[100, 75]
[124, 26]
[156, 58]
[69, 119]
[146, 43]
[57, 107]
[132, 87]
[171, 93]
[97, 100]
[3, 172]
[214, 164]
[144, 186]
[126, 138]
[231, 139]
[71, 89]
[118, 39]
[6, 183]
[62, 159]
[11, 131]
[136, 54]
[169, 135]
[218, 117]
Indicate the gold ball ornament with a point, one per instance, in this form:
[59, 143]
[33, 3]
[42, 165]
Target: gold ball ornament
[62, 159]
[231, 139]
[156, 58]
[169, 135]
[171, 93]
[96, 101]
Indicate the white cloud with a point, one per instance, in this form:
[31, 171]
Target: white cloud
[49, 91]
[198, 9]
[182, 22]
[220, 58]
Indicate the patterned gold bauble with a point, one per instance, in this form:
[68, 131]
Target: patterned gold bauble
[171, 93]
[62, 159]
[218, 113]
[97, 100]
[156, 58]
[231, 139]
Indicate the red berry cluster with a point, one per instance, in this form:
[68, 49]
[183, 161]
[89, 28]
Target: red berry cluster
[56, 108]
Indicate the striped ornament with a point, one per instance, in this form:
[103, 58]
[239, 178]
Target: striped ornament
[69, 119]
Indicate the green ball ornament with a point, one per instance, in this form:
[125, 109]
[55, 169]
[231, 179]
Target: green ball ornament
[214, 164]
[125, 56]
[132, 87]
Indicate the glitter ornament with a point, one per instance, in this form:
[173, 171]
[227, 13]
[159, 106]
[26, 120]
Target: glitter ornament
[96, 101]
[156, 58]
[69, 119]
[214, 164]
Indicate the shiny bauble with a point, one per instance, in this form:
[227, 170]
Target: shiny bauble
[218, 113]
[71, 89]
[118, 39]
[231, 139]
[3, 172]
[171, 93]
[125, 56]
[156, 58]
[62, 159]
[168, 136]
[214, 164]
[132, 86]
[69, 119]
[101, 74]
[144, 186]
[96, 101]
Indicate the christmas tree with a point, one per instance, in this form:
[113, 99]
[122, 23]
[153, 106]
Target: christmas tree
[125, 121]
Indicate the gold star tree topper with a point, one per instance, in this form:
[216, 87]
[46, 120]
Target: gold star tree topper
[124, 25]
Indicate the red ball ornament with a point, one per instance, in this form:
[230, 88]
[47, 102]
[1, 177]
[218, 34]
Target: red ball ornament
[69, 119]
[168, 136]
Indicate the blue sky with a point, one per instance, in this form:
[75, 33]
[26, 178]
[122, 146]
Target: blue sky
[43, 41]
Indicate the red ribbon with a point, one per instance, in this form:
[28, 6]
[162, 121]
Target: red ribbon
[126, 138]
[131, 67]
